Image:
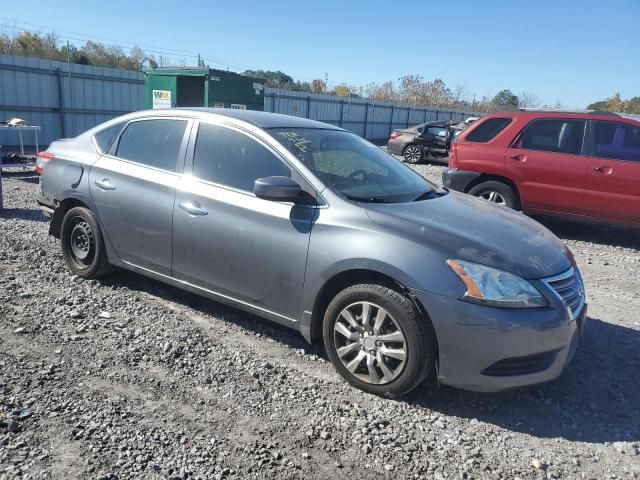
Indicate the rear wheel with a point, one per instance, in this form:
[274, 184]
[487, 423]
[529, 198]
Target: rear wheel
[82, 244]
[378, 340]
[412, 154]
[496, 192]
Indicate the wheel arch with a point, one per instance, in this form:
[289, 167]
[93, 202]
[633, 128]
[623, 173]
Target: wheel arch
[346, 278]
[486, 177]
[65, 205]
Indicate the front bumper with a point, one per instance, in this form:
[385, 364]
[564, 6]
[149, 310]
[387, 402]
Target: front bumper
[458, 180]
[488, 349]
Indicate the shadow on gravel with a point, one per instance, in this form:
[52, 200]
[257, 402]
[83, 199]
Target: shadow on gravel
[595, 233]
[31, 214]
[595, 400]
[205, 306]
[24, 176]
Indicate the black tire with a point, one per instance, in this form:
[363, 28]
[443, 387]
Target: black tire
[412, 153]
[419, 342]
[82, 244]
[496, 192]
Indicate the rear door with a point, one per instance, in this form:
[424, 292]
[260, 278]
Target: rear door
[613, 182]
[133, 189]
[546, 164]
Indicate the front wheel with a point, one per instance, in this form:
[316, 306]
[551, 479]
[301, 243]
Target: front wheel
[378, 340]
[82, 244]
[496, 192]
[412, 154]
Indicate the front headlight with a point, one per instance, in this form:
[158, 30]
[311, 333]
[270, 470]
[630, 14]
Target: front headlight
[496, 288]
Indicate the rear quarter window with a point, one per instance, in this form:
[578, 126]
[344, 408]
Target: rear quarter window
[487, 130]
[104, 138]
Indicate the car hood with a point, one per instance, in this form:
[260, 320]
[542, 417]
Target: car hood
[467, 228]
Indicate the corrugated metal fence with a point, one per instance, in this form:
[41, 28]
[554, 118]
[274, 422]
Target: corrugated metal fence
[365, 117]
[64, 103]
[43, 93]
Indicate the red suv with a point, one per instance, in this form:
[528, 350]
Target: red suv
[584, 165]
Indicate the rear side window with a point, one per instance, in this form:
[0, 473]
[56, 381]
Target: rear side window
[437, 131]
[554, 135]
[155, 143]
[233, 159]
[616, 141]
[104, 138]
[487, 130]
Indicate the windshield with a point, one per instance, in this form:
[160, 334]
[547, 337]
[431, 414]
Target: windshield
[353, 167]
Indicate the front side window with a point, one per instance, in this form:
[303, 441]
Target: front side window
[618, 141]
[233, 159]
[353, 167]
[554, 135]
[487, 130]
[155, 142]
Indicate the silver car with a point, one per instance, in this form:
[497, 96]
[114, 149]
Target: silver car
[314, 228]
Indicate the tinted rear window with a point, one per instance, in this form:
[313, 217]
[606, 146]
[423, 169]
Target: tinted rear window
[617, 141]
[554, 135]
[155, 143]
[104, 138]
[487, 130]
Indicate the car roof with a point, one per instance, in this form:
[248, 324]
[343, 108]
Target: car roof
[257, 118]
[553, 113]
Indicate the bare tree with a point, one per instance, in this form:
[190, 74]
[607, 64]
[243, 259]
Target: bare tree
[529, 100]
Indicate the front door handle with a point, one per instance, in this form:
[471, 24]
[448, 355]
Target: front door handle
[104, 184]
[193, 208]
[604, 169]
[519, 157]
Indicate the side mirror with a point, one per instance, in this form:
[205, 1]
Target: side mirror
[281, 189]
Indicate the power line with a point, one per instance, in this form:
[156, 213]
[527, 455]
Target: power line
[149, 49]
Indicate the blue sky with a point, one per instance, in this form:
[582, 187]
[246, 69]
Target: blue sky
[574, 51]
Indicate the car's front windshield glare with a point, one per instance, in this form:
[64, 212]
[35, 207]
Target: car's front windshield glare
[353, 167]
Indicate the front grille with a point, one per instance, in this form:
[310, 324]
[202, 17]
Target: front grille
[568, 286]
[521, 365]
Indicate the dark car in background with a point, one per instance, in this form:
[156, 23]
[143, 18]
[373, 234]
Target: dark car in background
[427, 140]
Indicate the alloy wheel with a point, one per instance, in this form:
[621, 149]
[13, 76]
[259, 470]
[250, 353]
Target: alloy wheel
[370, 343]
[493, 197]
[412, 154]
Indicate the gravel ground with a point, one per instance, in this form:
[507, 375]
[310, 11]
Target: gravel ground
[126, 378]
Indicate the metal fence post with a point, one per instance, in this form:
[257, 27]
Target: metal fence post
[408, 112]
[341, 112]
[309, 106]
[61, 103]
[366, 119]
[391, 120]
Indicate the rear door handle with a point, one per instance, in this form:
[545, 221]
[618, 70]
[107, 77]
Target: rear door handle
[193, 208]
[105, 184]
[519, 157]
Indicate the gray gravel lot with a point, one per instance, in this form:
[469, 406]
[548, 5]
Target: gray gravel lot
[126, 378]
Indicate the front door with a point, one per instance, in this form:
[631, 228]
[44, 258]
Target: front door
[231, 242]
[133, 189]
[546, 164]
[613, 186]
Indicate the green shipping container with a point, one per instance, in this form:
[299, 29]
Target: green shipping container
[202, 87]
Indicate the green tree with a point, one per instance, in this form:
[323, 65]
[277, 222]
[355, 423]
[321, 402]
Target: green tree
[505, 99]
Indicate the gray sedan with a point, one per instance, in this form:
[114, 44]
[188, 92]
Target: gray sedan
[314, 228]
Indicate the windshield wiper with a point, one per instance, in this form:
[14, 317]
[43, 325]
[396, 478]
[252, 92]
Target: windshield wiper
[369, 199]
[427, 195]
